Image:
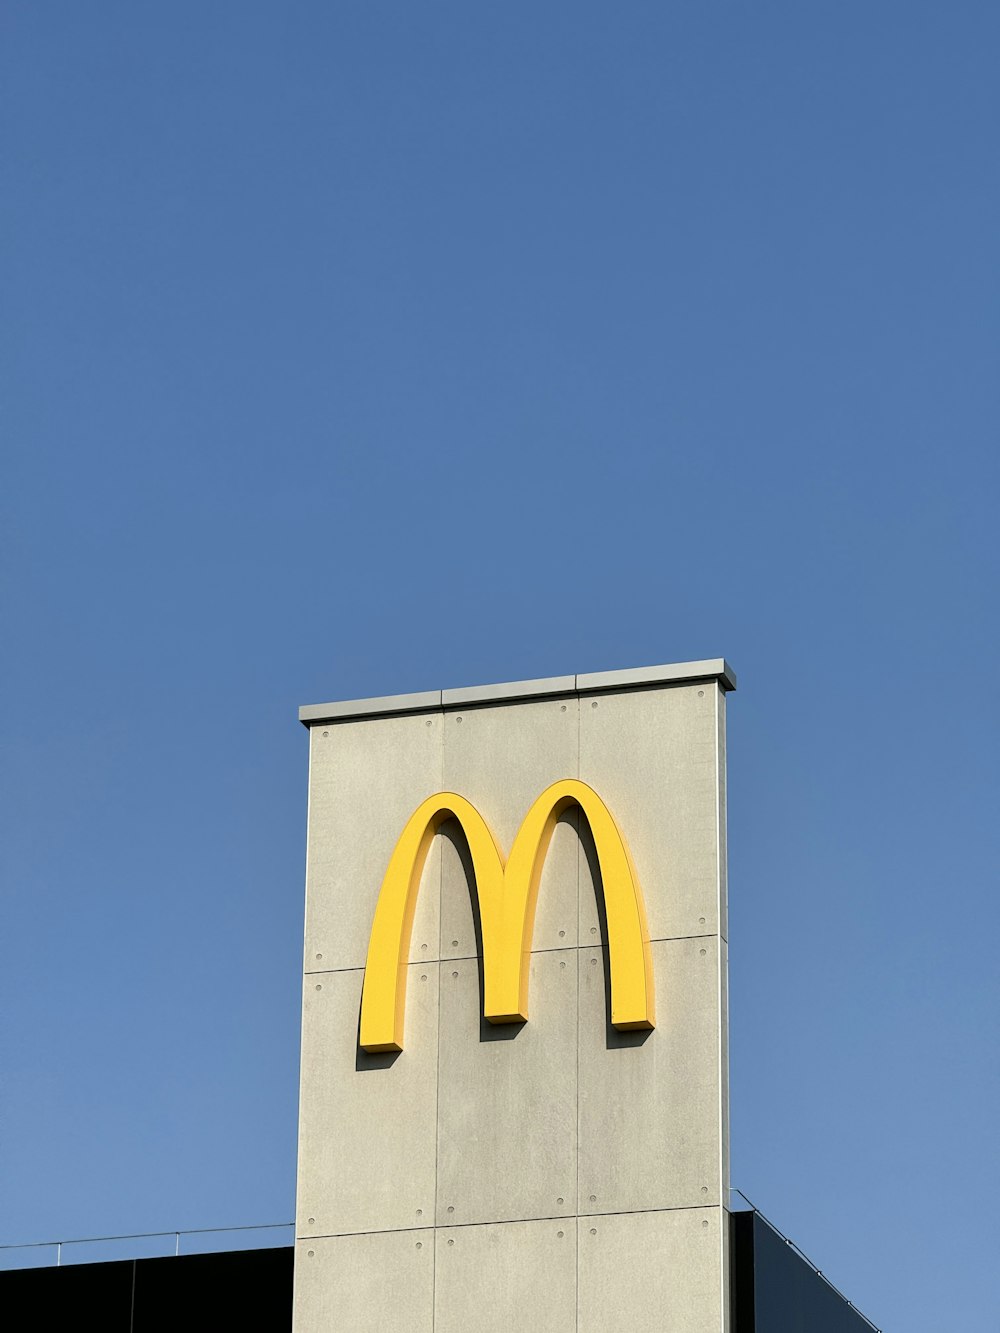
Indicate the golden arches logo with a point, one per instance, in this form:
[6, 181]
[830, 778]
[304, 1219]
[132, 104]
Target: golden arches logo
[507, 894]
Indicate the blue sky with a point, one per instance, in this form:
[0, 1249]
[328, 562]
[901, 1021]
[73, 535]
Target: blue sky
[357, 349]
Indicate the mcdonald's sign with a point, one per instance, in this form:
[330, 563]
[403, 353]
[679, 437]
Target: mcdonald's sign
[507, 892]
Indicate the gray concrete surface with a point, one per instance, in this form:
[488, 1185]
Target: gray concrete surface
[650, 1130]
[510, 1278]
[365, 780]
[661, 1270]
[501, 759]
[672, 673]
[507, 1105]
[382, 1282]
[481, 1144]
[367, 1123]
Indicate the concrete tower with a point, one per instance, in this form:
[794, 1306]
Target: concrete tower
[554, 849]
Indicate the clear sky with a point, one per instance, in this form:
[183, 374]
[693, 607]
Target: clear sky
[354, 349]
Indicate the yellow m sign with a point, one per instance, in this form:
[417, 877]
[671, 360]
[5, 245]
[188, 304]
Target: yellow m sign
[507, 894]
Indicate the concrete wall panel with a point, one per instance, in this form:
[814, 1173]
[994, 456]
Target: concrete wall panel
[518, 1277]
[507, 1098]
[653, 757]
[441, 1187]
[720, 745]
[378, 1283]
[367, 1123]
[366, 779]
[661, 1270]
[651, 1122]
[502, 759]
[723, 1119]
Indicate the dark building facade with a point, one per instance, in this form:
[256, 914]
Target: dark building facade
[773, 1290]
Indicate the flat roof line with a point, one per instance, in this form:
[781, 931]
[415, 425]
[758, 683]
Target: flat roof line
[673, 673]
